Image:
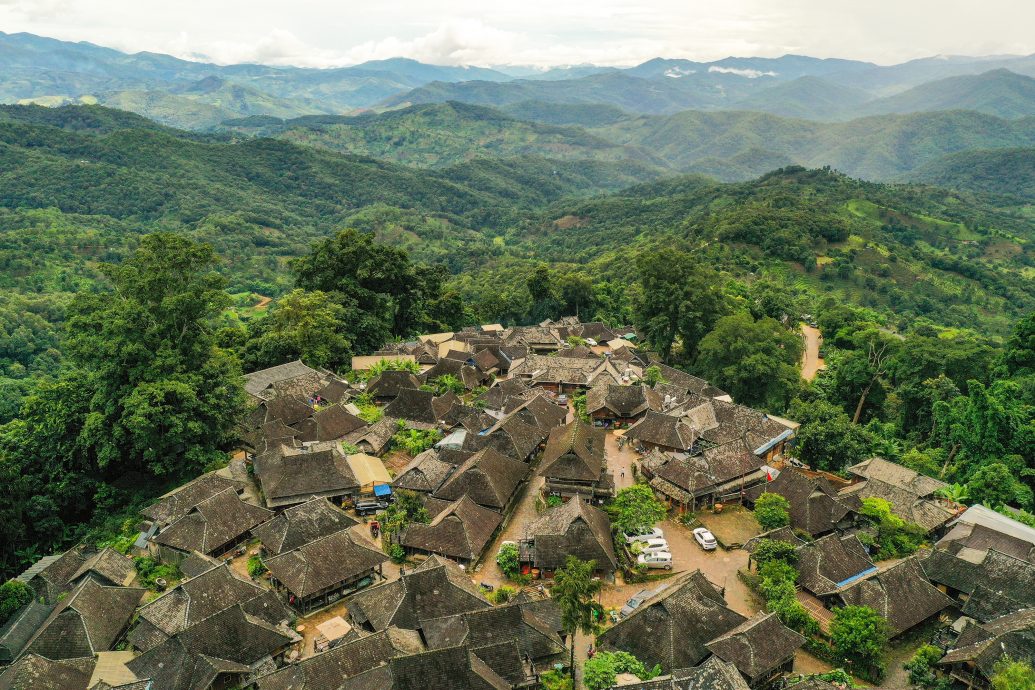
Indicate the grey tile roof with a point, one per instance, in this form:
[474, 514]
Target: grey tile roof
[488, 477]
[673, 627]
[698, 475]
[825, 565]
[110, 566]
[462, 530]
[413, 406]
[90, 620]
[574, 528]
[901, 594]
[258, 381]
[621, 401]
[213, 523]
[574, 451]
[663, 430]
[20, 627]
[985, 644]
[390, 383]
[38, 673]
[328, 424]
[815, 505]
[301, 524]
[997, 583]
[376, 436]
[424, 473]
[323, 563]
[909, 493]
[435, 588]
[289, 474]
[495, 625]
[758, 646]
[175, 505]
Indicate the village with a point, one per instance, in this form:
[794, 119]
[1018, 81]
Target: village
[405, 526]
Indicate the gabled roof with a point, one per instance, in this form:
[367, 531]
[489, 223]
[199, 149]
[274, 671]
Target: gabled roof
[673, 627]
[388, 383]
[424, 473]
[758, 646]
[39, 673]
[510, 436]
[687, 382]
[199, 598]
[494, 625]
[623, 401]
[178, 503]
[536, 410]
[901, 594]
[456, 668]
[982, 529]
[302, 524]
[470, 376]
[213, 523]
[323, 563]
[332, 669]
[909, 493]
[897, 475]
[336, 391]
[23, 624]
[110, 566]
[227, 642]
[663, 430]
[985, 644]
[413, 405]
[328, 424]
[574, 451]
[435, 588]
[488, 477]
[815, 506]
[698, 475]
[557, 369]
[462, 530]
[573, 528]
[377, 435]
[288, 409]
[258, 381]
[497, 394]
[287, 473]
[88, 621]
[997, 583]
[831, 563]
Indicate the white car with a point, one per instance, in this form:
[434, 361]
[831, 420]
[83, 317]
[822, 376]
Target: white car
[655, 533]
[656, 559]
[705, 538]
[653, 545]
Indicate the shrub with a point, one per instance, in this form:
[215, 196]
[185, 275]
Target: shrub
[921, 665]
[772, 511]
[555, 680]
[600, 672]
[502, 594]
[635, 508]
[14, 594]
[554, 501]
[149, 570]
[860, 634]
[767, 550]
[255, 566]
[507, 560]
[416, 441]
[397, 553]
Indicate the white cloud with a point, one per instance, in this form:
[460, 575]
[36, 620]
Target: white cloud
[749, 73]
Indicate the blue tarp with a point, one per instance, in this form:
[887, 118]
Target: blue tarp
[857, 576]
[382, 490]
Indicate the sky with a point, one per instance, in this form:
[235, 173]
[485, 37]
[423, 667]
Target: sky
[327, 33]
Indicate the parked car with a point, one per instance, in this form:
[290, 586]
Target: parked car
[369, 507]
[705, 538]
[656, 559]
[653, 545]
[591, 342]
[635, 601]
[654, 533]
[562, 399]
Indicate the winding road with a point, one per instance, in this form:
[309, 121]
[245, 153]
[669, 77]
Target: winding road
[811, 363]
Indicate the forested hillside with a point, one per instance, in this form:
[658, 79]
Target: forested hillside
[1009, 172]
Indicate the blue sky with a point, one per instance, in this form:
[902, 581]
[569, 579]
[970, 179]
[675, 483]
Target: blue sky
[532, 32]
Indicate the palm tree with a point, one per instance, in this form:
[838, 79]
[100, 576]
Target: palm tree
[574, 589]
[957, 493]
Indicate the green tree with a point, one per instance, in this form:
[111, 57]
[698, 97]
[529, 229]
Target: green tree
[995, 485]
[447, 383]
[652, 376]
[635, 508]
[14, 594]
[827, 439]
[772, 511]
[860, 634]
[678, 298]
[162, 396]
[1019, 354]
[766, 550]
[1013, 675]
[574, 588]
[754, 361]
[301, 325]
[895, 536]
[507, 560]
[921, 668]
[600, 672]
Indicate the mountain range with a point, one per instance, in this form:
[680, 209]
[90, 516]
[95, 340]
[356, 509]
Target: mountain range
[199, 95]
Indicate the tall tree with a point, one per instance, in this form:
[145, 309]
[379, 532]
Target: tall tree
[678, 298]
[573, 589]
[300, 325]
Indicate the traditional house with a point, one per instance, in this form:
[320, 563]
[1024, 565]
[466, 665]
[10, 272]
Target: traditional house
[832, 563]
[284, 379]
[463, 369]
[459, 668]
[374, 439]
[221, 650]
[988, 583]
[360, 663]
[322, 571]
[461, 532]
[91, 619]
[674, 627]
[286, 409]
[212, 527]
[21, 627]
[510, 436]
[301, 524]
[574, 463]
[973, 657]
[536, 411]
[572, 529]
[289, 476]
[436, 588]
[496, 396]
[488, 477]
[420, 407]
[328, 424]
[979, 529]
[39, 673]
[609, 404]
[662, 431]
[425, 473]
[335, 392]
[911, 495]
[177, 503]
[568, 374]
[689, 383]
[762, 648]
[713, 674]
[901, 594]
[815, 506]
[54, 575]
[199, 598]
[388, 384]
[718, 474]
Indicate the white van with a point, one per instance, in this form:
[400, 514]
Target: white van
[653, 545]
[656, 559]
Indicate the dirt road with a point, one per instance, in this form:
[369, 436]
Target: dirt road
[811, 363]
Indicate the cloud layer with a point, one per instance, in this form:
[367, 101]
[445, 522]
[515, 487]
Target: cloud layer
[325, 33]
